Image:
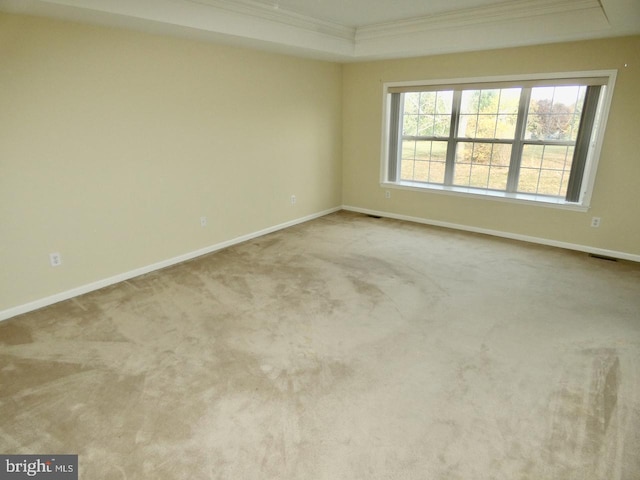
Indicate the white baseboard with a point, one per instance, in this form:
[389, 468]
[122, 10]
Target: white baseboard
[90, 287]
[497, 233]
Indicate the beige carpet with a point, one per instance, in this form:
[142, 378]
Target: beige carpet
[344, 348]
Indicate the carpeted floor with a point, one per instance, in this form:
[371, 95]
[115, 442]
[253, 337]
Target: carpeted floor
[344, 348]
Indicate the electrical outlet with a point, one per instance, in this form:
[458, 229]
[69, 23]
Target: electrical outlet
[387, 194]
[55, 259]
[293, 199]
[203, 222]
[595, 222]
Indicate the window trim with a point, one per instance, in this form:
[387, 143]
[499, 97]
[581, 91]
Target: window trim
[591, 163]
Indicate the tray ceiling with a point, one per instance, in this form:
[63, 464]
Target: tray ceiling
[355, 30]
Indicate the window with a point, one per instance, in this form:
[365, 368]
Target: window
[532, 139]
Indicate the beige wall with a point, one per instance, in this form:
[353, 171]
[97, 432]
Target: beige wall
[114, 143]
[616, 196]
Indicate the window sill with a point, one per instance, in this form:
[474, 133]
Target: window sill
[520, 198]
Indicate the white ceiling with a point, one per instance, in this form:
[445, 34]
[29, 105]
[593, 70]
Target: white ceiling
[354, 30]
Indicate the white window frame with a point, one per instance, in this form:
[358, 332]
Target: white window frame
[591, 164]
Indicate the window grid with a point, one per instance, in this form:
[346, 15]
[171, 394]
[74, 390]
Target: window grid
[563, 171]
[494, 173]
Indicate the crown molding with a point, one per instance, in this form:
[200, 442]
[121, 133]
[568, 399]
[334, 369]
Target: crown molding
[501, 12]
[280, 15]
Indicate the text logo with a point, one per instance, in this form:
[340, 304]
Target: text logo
[49, 467]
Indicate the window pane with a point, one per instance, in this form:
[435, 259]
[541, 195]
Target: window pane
[501, 155]
[498, 178]
[410, 125]
[506, 126]
[509, 101]
[555, 157]
[554, 113]
[565, 184]
[444, 102]
[425, 125]
[470, 101]
[489, 100]
[467, 126]
[427, 102]
[441, 125]
[486, 126]
[479, 176]
[423, 161]
[528, 180]
[550, 181]
[532, 156]
[461, 174]
[407, 165]
[411, 103]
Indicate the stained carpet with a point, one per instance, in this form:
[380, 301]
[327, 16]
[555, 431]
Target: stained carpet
[347, 348]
